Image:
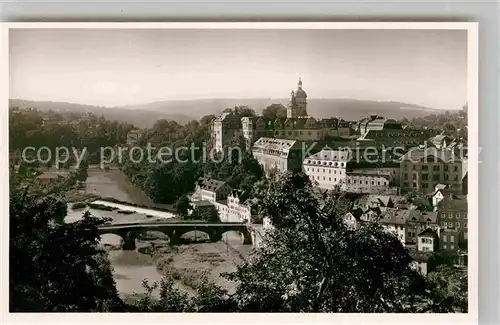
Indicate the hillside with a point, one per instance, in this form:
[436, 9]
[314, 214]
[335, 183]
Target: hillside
[140, 118]
[182, 111]
[349, 109]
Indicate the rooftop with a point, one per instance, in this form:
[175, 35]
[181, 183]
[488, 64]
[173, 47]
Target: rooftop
[330, 155]
[427, 233]
[431, 154]
[210, 184]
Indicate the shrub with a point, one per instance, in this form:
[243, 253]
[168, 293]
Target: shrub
[78, 205]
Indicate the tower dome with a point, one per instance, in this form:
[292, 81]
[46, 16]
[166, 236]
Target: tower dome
[300, 93]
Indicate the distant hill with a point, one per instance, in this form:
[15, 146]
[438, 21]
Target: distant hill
[183, 111]
[349, 109]
[141, 118]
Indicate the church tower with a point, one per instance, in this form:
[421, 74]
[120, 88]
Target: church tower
[291, 111]
[301, 100]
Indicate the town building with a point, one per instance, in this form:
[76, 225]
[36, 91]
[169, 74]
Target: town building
[422, 168]
[231, 205]
[211, 190]
[427, 244]
[452, 216]
[337, 168]
[419, 221]
[279, 155]
[378, 131]
[419, 262]
[394, 221]
[427, 241]
[328, 168]
[449, 239]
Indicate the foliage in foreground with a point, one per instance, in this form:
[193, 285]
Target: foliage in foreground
[313, 262]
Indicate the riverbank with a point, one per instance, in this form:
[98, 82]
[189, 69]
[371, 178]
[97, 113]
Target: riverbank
[188, 264]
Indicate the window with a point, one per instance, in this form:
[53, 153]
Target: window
[289, 132]
[452, 246]
[435, 177]
[455, 168]
[329, 179]
[435, 168]
[465, 225]
[425, 177]
[452, 239]
[323, 177]
[445, 247]
[378, 183]
[405, 175]
[443, 224]
[450, 225]
[414, 176]
[425, 185]
[425, 167]
[450, 215]
[445, 168]
[465, 215]
[444, 238]
[458, 215]
[458, 224]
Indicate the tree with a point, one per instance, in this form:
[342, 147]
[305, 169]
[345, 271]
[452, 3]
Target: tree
[56, 267]
[312, 262]
[448, 286]
[208, 213]
[274, 111]
[183, 205]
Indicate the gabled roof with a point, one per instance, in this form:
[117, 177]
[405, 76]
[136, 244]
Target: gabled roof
[427, 233]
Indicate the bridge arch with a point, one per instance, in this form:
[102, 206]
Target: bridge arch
[196, 235]
[236, 236]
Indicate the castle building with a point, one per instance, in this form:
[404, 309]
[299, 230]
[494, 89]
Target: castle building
[296, 126]
[224, 129]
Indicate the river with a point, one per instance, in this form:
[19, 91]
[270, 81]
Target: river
[130, 268]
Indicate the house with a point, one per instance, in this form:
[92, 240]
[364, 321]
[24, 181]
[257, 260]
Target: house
[452, 214]
[211, 189]
[439, 193]
[394, 220]
[419, 262]
[449, 239]
[427, 241]
[240, 208]
[417, 222]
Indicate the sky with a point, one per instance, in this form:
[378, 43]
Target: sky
[127, 67]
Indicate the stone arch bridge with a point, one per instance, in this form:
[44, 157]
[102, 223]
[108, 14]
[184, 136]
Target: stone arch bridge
[174, 230]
